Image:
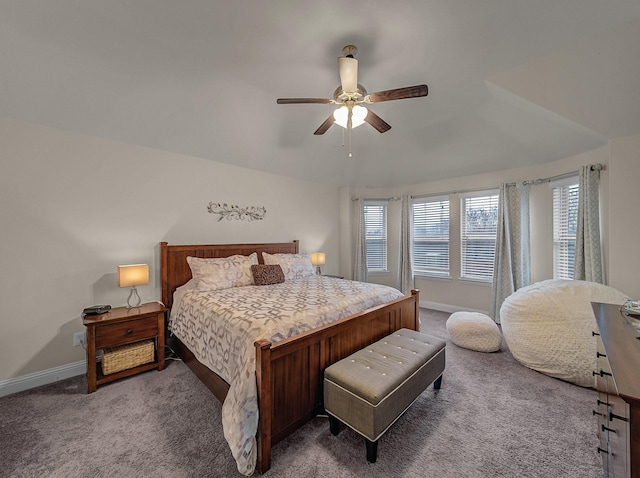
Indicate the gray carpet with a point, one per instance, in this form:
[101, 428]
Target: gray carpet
[492, 418]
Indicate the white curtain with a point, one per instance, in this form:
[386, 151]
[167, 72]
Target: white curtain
[588, 258]
[405, 271]
[512, 265]
[360, 256]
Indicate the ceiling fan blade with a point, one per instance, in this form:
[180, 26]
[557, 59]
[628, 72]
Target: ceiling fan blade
[348, 67]
[326, 125]
[292, 101]
[399, 93]
[377, 122]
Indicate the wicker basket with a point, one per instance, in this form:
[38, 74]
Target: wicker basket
[115, 359]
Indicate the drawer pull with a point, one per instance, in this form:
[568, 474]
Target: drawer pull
[596, 413]
[593, 334]
[618, 417]
[602, 450]
[600, 402]
[598, 355]
[129, 331]
[608, 429]
[602, 373]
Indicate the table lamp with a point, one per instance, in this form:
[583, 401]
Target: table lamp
[133, 275]
[317, 259]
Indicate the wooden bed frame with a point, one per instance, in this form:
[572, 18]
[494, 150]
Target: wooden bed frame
[289, 373]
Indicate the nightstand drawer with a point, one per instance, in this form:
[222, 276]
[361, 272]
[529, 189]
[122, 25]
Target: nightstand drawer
[125, 332]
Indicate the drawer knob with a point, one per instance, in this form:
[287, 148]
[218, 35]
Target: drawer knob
[608, 429]
[129, 331]
[602, 450]
[600, 402]
[596, 413]
[598, 355]
[593, 334]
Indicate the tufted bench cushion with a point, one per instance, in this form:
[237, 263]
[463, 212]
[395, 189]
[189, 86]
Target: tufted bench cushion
[370, 389]
[474, 331]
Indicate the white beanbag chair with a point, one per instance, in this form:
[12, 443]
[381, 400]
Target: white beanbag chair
[474, 331]
[548, 325]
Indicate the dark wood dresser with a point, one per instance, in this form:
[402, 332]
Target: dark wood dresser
[618, 386]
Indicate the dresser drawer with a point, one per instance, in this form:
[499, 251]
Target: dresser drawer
[120, 333]
[618, 434]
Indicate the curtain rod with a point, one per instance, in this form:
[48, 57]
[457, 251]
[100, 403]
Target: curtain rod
[394, 198]
[457, 191]
[594, 167]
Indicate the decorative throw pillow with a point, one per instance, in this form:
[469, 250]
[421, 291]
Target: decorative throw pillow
[264, 274]
[294, 266]
[223, 272]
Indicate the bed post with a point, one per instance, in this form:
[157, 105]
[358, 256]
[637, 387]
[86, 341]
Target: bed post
[164, 275]
[416, 294]
[263, 380]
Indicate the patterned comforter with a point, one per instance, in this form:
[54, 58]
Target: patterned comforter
[221, 326]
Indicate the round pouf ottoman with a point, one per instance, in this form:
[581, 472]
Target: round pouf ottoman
[474, 331]
[547, 327]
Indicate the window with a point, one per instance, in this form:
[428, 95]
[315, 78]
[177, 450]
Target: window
[478, 229]
[431, 236]
[565, 223]
[375, 224]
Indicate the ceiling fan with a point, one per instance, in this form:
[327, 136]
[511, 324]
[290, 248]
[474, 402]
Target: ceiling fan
[350, 95]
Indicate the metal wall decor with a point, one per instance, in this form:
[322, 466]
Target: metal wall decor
[251, 213]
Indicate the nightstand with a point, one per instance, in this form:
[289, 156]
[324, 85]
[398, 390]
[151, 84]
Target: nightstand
[122, 326]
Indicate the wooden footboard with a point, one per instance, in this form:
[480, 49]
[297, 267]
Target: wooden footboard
[289, 373]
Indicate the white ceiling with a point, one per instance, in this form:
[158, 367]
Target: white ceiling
[511, 82]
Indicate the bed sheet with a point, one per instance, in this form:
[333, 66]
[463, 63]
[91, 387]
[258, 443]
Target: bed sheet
[220, 328]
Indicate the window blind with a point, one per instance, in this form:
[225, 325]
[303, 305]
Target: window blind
[478, 229]
[565, 223]
[375, 223]
[431, 236]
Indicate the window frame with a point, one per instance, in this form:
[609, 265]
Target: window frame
[426, 271]
[484, 274]
[384, 254]
[562, 236]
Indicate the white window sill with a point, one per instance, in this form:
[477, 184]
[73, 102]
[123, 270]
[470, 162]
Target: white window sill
[468, 280]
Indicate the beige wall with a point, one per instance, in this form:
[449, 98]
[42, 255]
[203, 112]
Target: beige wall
[624, 215]
[453, 294]
[73, 207]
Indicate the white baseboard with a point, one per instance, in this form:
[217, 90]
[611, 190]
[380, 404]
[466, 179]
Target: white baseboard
[36, 379]
[447, 308]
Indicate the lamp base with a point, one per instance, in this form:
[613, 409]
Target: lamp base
[318, 271]
[134, 299]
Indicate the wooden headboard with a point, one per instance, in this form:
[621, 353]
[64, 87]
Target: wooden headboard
[175, 271]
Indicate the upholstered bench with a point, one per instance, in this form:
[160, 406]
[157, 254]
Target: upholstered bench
[370, 389]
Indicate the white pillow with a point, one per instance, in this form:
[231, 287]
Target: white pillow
[294, 266]
[222, 273]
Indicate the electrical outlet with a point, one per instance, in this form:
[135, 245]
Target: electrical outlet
[79, 338]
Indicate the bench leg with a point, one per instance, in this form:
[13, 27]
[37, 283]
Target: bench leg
[372, 450]
[437, 383]
[334, 425]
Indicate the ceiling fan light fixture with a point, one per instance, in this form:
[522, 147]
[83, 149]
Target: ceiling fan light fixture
[341, 116]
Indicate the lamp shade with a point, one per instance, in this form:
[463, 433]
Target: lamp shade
[132, 275]
[341, 116]
[317, 258]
